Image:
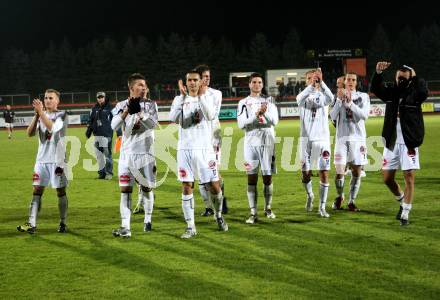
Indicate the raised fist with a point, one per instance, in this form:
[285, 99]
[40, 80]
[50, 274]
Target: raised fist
[382, 66]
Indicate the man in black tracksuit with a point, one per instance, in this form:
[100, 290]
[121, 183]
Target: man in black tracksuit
[9, 115]
[100, 125]
[403, 130]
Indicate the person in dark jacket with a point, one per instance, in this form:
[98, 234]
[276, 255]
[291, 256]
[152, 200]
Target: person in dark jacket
[9, 116]
[100, 125]
[403, 130]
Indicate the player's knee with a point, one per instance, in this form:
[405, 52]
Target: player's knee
[187, 188]
[339, 176]
[409, 178]
[38, 190]
[306, 177]
[61, 192]
[267, 180]
[388, 180]
[126, 189]
[253, 179]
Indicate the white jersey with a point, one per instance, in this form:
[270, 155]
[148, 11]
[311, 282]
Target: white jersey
[259, 130]
[350, 122]
[138, 129]
[52, 147]
[312, 105]
[215, 124]
[399, 137]
[195, 116]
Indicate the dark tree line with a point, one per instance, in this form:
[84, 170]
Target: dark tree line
[104, 64]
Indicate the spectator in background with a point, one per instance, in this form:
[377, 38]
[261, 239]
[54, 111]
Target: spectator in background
[100, 125]
[281, 89]
[9, 115]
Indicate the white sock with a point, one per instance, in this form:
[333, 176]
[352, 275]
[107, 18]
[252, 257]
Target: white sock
[188, 210]
[323, 192]
[217, 201]
[355, 184]
[148, 202]
[125, 210]
[268, 191]
[308, 187]
[252, 198]
[406, 209]
[34, 208]
[63, 204]
[339, 183]
[140, 197]
[205, 195]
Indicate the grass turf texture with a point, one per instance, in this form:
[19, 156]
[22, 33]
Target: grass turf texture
[298, 255]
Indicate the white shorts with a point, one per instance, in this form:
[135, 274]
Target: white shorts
[198, 164]
[139, 167]
[9, 125]
[44, 174]
[259, 157]
[400, 158]
[353, 152]
[315, 155]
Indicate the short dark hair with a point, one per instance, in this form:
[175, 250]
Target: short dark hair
[193, 71]
[202, 68]
[135, 76]
[351, 73]
[255, 75]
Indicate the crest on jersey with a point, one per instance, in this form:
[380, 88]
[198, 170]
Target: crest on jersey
[325, 154]
[362, 150]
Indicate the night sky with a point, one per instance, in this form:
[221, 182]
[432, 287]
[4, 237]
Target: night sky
[31, 24]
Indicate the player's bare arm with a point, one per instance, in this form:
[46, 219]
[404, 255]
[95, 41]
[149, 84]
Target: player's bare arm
[33, 125]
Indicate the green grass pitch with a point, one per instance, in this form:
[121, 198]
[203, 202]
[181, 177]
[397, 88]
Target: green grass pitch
[364, 255]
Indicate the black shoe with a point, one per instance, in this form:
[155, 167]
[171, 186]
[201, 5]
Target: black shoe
[404, 222]
[101, 176]
[222, 226]
[399, 213]
[147, 227]
[225, 208]
[207, 212]
[27, 227]
[62, 228]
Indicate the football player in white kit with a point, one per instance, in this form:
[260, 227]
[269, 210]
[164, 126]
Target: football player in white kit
[194, 111]
[315, 136]
[350, 111]
[257, 115]
[50, 125]
[205, 74]
[138, 117]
